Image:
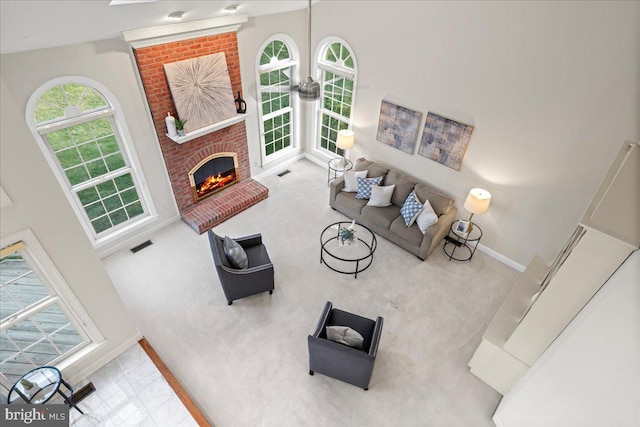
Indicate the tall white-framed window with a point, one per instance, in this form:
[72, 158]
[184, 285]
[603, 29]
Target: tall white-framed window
[337, 72]
[276, 67]
[80, 128]
[41, 321]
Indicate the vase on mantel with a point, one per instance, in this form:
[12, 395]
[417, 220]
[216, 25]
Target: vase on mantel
[171, 125]
[241, 106]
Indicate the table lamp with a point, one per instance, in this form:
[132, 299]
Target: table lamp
[477, 203]
[345, 141]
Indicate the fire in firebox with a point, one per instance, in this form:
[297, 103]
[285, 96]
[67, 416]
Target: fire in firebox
[214, 183]
[213, 174]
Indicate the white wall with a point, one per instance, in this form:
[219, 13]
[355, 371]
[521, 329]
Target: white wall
[590, 376]
[553, 89]
[39, 204]
[108, 62]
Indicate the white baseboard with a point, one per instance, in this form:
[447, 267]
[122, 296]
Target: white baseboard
[76, 377]
[503, 259]
[137, 237]
[279, 168]
[316, 160]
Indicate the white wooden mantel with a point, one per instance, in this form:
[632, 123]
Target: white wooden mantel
[152, 36]
[208, 129]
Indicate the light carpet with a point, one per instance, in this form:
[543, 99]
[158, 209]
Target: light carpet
[247, 364]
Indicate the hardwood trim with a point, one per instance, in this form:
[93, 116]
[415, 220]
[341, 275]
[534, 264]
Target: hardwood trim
[193, 409]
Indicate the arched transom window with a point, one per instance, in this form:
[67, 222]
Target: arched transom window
[83, 136]
[337, 71]
[276, 63]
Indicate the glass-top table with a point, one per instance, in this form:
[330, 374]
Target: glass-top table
[347, 255]
[39, 385]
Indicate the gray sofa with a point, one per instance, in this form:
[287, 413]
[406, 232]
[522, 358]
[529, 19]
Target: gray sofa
[387, 221]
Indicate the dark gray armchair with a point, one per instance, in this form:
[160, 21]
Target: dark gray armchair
[237, 283]
[340, 361]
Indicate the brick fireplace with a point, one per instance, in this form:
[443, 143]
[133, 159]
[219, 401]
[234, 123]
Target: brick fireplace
[201, 213]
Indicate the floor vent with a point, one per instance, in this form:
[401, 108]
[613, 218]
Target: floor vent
[141, 246]
[283, 173]
[83, 392]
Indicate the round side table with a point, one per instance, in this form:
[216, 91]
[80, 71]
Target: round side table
[467, 242]
[337, 165]
[39, 385]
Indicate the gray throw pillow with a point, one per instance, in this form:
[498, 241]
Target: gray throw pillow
[345, 335]
[235, 253]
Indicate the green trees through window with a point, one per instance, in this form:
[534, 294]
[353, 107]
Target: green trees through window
[275, 66]
[78, 124]
[337, 76]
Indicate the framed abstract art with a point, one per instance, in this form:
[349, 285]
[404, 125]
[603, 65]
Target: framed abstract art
[444, 140]
[398, 126]
[201, 90]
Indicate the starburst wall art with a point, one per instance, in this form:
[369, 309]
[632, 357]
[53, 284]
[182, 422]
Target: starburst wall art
[201, 90]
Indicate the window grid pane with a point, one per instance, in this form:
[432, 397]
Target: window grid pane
[20, 287]
[329, 133]
[42, 337]
[87, 152]
[277, 133]
[275, 86]
[337, 95]
[111, 203]
[68, 100]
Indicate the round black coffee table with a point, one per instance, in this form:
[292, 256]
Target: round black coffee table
[39, 385]
[347, 257]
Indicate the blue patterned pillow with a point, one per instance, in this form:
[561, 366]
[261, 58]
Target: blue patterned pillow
[411, 209]
[364, 186]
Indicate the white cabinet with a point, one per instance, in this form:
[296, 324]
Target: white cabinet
[548, 296]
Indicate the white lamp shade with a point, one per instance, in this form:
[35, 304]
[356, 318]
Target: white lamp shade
[346, 140]
[477, 201]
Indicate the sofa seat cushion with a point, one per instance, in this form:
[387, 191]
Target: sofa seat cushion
[412, 234]
[381, 217]
[375, 170]
[440, 203]
[349, 202]
[404, 186]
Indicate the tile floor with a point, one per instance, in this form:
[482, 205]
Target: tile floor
[130, 391]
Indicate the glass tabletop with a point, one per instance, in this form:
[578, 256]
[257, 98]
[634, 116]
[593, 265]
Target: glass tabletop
[36, 386]
[340, 164]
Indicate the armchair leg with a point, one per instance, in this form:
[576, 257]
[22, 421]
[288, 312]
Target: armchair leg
[271, 292]
[366, 389]
[311, 372]
[229, 302]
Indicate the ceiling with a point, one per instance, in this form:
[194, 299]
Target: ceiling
[31, 24]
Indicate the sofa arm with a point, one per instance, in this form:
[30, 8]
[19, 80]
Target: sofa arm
[436, 233]
[336, 186]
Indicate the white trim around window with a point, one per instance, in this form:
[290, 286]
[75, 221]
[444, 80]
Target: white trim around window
[116, 116]
[60, 294]
[291, 63]
[321, 66]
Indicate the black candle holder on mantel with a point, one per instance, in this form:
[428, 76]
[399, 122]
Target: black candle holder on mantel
[241, 106]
